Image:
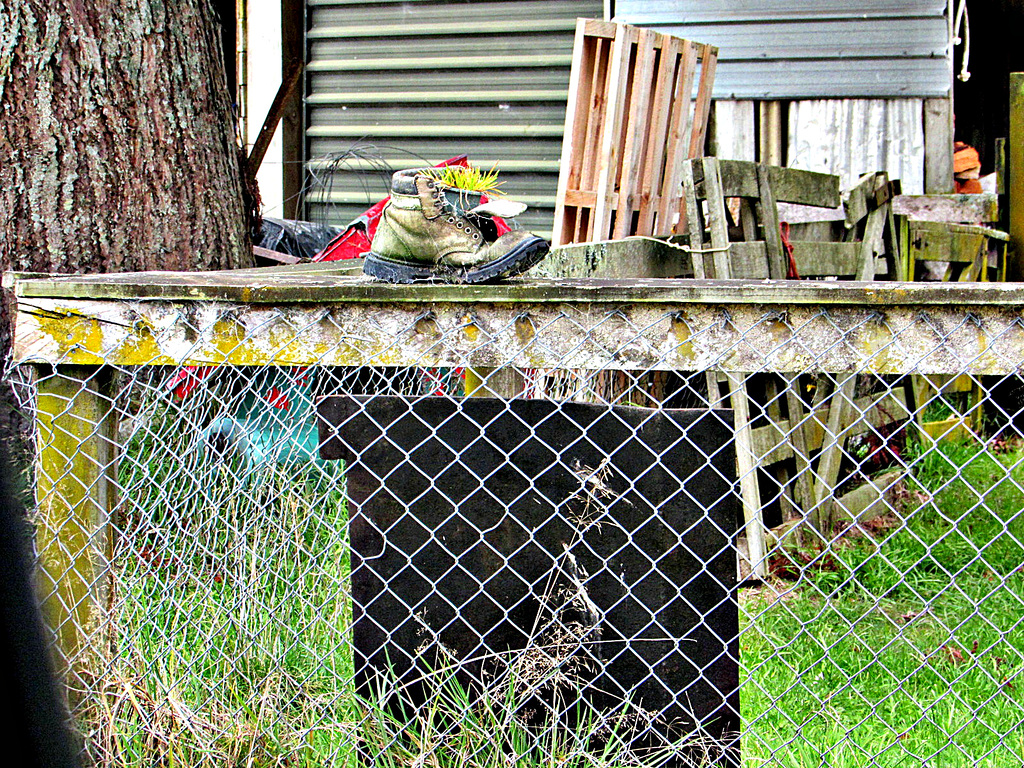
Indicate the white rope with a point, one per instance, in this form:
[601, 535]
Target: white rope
[962, 20]
[684, 248]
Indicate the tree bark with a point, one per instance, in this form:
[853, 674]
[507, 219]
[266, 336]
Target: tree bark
[117, 147]
[117, 143]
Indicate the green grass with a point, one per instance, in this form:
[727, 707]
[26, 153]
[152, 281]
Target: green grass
[906, 648]
[232, 615]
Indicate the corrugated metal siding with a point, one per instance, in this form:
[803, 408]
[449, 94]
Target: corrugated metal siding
[800, 49]
[856, 136]
[418, 81]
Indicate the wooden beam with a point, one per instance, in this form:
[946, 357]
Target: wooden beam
[628, 258]
[274, 115]
[746, 469]
[790, 185]
[76, 493]
[1015, 172]
[813, 259]
[768, 215]
[938, 146]
[293, 31]
[968, 209]
[979, 339]
[303, 284]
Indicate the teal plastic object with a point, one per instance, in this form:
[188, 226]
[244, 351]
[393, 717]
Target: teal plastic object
[275, 422]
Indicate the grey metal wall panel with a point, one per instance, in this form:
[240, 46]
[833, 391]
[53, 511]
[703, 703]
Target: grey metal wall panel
[775, 49]
[850, 137]
[847, 79]
[693, 11]
[403, 83]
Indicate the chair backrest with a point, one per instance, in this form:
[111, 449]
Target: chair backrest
[737, 204]
[944, 237]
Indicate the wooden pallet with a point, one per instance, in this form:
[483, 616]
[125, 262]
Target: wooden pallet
[631, 121]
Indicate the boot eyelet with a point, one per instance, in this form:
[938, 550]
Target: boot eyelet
[451, 220]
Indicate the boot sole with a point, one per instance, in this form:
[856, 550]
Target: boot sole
[515, 262]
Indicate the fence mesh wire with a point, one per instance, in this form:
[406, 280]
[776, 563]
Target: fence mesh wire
[877, 582]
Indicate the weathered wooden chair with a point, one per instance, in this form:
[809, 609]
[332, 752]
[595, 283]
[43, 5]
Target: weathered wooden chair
[782, 439]
[949, 238]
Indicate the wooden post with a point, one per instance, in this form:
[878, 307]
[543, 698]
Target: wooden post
[493, 382]
[1015, 181]
[770, 119]
[76, 492]
[831, 455]
[938, 146]
[747, 468]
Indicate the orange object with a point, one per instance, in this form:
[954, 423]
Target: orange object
[965, 157]
[967, 186]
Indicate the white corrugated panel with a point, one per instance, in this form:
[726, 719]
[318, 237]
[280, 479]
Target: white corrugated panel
[418, 81]
[807, 49]
[851, 137]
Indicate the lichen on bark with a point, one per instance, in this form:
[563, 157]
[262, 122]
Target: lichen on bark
[117, 136]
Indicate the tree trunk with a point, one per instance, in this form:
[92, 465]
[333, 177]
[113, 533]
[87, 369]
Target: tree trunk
[117, 138]
[117, 147]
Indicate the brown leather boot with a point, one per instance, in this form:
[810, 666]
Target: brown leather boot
[433, 231]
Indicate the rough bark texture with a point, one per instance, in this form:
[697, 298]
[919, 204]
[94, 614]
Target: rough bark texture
[116, 138]
[117, 146]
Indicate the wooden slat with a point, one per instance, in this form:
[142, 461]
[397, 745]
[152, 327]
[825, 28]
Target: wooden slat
[949, 208]
[717, 221]
[931, 241]
[702, 106]
[598, 28]
[672, 206]
[830, 459]
[858, 200]
[746, 469]
[958, 229]
[803, 488]
[790, 185]
[636, 131]
[576, 123]
[650, 183]
[872, 243]
[768, 214]
[611, 144]
[693, 219]
[813, 259]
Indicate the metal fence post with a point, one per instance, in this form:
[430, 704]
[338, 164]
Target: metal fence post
[76, 493]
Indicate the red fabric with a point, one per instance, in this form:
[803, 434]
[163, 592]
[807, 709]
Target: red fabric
[791, 272]
[356, 239]
[187, 379]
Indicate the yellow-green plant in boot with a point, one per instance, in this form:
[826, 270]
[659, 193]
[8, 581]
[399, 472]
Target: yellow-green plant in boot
[469, 178]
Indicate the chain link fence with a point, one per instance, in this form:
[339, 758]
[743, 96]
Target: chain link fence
[577, 535]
